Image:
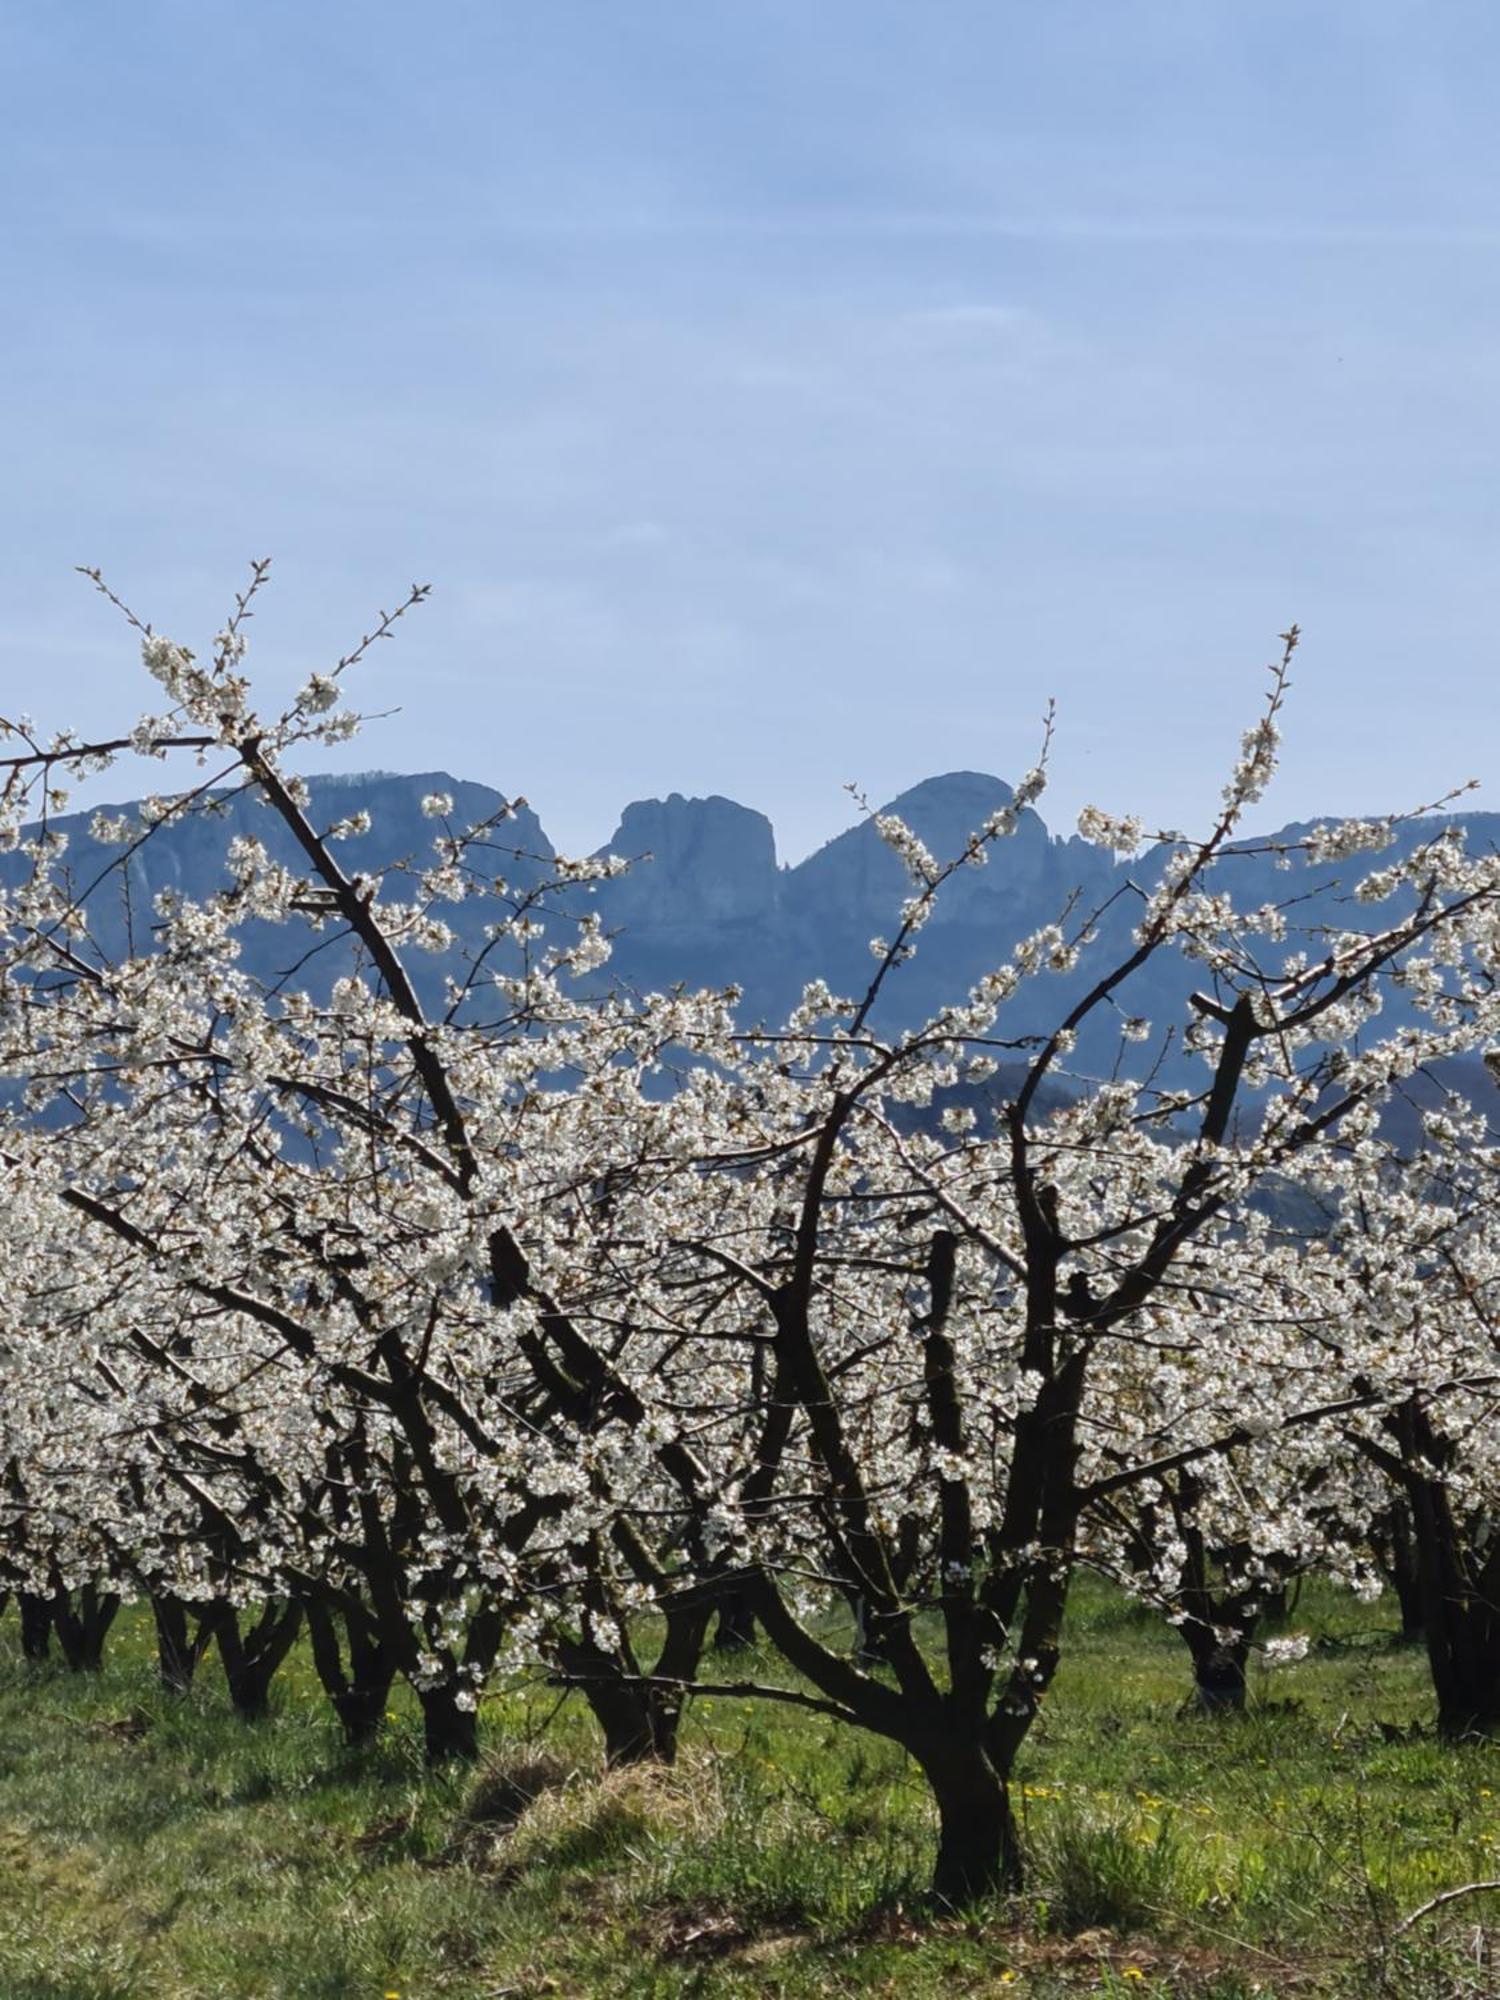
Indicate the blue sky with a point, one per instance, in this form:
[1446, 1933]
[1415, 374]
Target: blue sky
[775, 394]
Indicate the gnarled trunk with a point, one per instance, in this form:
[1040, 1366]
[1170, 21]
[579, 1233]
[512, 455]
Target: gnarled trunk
[735, 1631]
[638, 1714]
[179, 1649]
[450, 1725]
[1457, 1563]
[251, 1659]
[635, 1727]
[1218, 1669]
[82, 1630]
[1460, 1626]
[360, 1690]
[1395, 1551]
[36, 1624]
[1466, 1677]
[979, 1847]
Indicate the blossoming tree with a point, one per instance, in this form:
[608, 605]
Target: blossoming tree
[473, 1328]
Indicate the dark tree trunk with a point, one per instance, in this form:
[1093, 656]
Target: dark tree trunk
[361, 1690]
[1461, 1627]
[450, 1731]
[1217, 1609]
[1218, 1670]
[1405, 1579]
[362, 1707]
[621, 1711]
[178, 1648]
[36, 1624]
[81, 1632]
[251, 1659]
[1468, 1688]
[638, 1723]
[639, 1712]
[979, 1848]
[1273, 1602]
[1458, 1571]
[871, 1647]
[735, 1631]
[175, 1663]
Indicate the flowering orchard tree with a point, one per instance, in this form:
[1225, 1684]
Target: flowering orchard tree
[1216, 1537]
[1215, 1543]
[468, 1329]
[1408, 1271]
[955, 1325]
[326, 1300]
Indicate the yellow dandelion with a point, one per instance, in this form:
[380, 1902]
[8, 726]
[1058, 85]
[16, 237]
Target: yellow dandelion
[1134, 1972]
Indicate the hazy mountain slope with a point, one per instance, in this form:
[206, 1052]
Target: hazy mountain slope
[705, 901]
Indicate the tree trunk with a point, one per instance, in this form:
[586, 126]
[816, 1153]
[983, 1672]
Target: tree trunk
[360, 1692]
[735, 1631]
[639, 1724]
[1274, 1600]
[1463, 1652]
[1218, 1672]
[1460, 1615]
[36, 1624]
[1405, 1579]
[361, 1708]
[624, 1719]
[979, 1849]
[1468, 1697]
[871, 1648]
[81, 1633]
[1219, 1679]
[252, 1658]
[639, 1712]
[178, 1651]
[1409, 1598]
[450, 1732]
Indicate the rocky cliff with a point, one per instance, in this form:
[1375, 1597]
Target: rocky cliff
[704, 901]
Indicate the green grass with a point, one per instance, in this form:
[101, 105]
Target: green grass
[158, 1847]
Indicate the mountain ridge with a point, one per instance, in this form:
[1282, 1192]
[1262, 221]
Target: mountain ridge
[706, 900]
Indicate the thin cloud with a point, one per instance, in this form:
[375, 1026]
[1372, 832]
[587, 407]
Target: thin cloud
[167, 230]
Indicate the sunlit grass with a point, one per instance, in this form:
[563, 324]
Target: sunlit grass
[150, 1845]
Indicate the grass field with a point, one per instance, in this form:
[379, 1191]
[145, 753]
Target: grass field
[156, 1847]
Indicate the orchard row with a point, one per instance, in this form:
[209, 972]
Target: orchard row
[476, 1319]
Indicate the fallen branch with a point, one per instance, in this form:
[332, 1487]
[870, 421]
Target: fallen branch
[1448, 1896]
